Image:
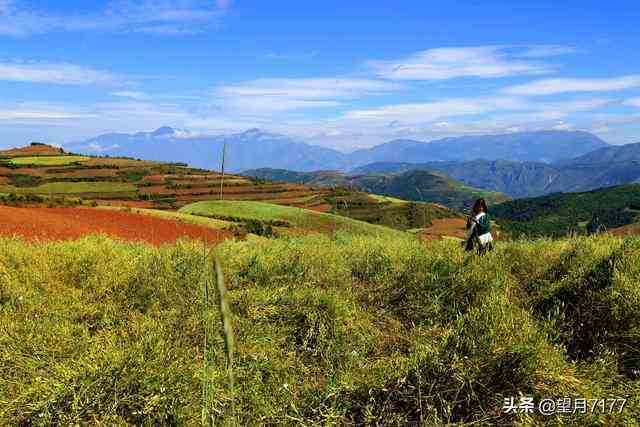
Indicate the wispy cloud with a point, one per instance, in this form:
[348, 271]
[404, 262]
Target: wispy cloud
[634, 102]
[425, 112]
[164, 17]
[291, 56]
[130, 94]
[39, 112]
[288, 93]
[543, 51]
[482, 62]
[66, 74]
[555, 86]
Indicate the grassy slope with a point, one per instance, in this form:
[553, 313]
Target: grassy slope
[560, 214]
[343, 331]
[303, 220]
[47, 160]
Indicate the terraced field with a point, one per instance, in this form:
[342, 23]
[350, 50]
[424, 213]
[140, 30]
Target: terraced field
[48, 171]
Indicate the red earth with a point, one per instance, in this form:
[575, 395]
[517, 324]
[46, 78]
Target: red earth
[454, 227]
[70, 223]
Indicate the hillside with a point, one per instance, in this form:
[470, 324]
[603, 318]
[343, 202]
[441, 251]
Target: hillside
[284, 219]
[561, 214]
[611, 154]
[256, 148]
[525, 179]
[44, 172]
[417, 185]
[343, 331]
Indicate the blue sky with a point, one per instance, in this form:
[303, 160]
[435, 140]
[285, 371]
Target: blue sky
[335, 73]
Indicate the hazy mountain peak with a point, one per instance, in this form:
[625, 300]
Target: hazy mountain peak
[163, 131]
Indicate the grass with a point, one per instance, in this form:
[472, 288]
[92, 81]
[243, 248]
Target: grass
[342, 330]
[47, 160]
[71, 188]
[388, 199]
[301, 220]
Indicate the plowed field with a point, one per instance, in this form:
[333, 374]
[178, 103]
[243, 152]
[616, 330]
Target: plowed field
[71, 223]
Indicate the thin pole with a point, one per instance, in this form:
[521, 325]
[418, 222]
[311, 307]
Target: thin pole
[224, 152]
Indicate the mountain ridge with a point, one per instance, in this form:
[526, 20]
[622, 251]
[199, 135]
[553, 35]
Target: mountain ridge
[255, 148]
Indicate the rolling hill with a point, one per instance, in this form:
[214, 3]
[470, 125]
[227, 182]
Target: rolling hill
[41, 174]
[562, 214]
[259, 149]
[417, 185]
[526, 179]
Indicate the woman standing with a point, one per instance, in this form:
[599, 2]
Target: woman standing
[479, 228]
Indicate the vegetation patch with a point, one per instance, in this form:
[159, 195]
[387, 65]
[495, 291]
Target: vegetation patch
[47, 160]
[343, 330]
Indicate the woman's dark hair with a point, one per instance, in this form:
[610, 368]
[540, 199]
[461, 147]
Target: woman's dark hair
[480, 203]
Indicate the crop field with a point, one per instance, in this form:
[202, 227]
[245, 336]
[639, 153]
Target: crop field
[47, 171]
[47, 160]
[71, 223]
[71, 188]
[343, 330]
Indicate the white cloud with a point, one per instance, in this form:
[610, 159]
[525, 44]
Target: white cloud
[541, 51]
[555, 86]
[165, 17]
[425, 112]
[447, 63]
[562, 126]
[68, 74]
[634, 102]
[129, 94]
[290, 94]
[39, 112]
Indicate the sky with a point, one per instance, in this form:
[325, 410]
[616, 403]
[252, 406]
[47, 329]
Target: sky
[342, 74]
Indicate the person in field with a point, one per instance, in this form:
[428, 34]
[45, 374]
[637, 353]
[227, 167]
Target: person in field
[479, 228]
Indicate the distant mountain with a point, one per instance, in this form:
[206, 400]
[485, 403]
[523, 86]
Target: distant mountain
[543, 146]
[561, 214]
[418, 185]
[524, 179]
[249, 149]
[610, 154]
[258, 149]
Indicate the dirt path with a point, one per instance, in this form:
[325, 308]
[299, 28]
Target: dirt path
[70, 223]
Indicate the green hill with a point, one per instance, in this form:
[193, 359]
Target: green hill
[342, 331]
[418, 185]
[561, 214]
[285, 219]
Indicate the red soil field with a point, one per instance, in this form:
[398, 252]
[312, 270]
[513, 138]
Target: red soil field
[32, 150]
[71, 223]
[454, 227]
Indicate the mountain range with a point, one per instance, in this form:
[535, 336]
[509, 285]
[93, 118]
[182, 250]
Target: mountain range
[255, 148]
[604, 167]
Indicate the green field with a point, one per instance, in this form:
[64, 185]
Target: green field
[47, 160]
[303, 220]
[388, 199]
[71, 188]
[343, 330]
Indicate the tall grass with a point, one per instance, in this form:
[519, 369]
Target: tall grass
[340, 330]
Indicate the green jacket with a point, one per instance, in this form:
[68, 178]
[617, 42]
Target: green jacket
[484, 224]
